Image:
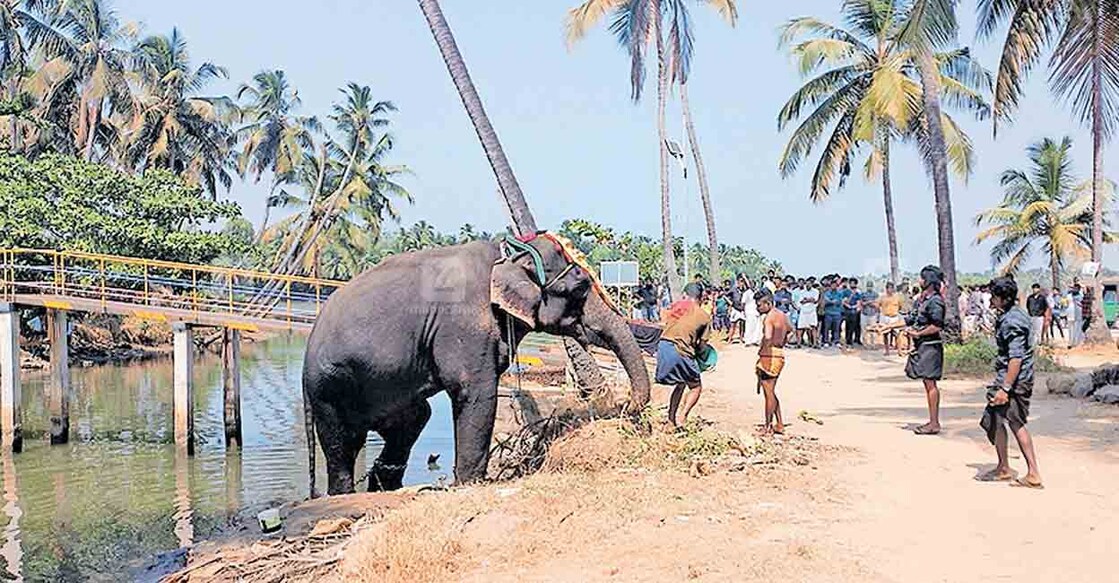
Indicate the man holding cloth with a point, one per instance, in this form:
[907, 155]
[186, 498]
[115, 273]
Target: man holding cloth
[685, 336]
[1008, 399]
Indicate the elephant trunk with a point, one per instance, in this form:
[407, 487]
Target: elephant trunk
[603, 327]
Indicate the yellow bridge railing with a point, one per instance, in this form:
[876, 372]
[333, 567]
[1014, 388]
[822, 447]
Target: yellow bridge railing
[161, 290]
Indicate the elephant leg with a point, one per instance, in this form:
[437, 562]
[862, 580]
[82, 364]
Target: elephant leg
[400, 436]
[475, 408]
[340, 445]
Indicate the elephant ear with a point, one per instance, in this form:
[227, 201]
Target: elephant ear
[514, 292]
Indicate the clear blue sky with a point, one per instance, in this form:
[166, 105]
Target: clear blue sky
[579, 146]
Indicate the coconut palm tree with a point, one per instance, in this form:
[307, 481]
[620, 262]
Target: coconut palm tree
[634, 23]
[1042, 207]
[274, 137]
[1083, 71]
[341, 204]
[175, 127]
[88, 37]
[355, 157]
[869, 93]
[681, 50]
[16, 17]
[930, 24]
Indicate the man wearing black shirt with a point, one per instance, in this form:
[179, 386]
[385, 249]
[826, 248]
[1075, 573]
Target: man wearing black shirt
[1038, 307]
[737, 309]
[648, 295]
[1008, 398]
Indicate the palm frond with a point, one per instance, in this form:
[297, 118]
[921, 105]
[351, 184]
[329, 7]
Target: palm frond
[586, 16]
[633, 25]
[813, 92]
[961, 151]
[728, 9]
[929, 24]
[814, 53]
[838, 105]
[1032, 25]
[1088, 50]
[810, 26]
[835, 159]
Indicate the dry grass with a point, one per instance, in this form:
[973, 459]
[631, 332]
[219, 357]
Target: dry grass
[421, 542]
[614, 487]
[446, 536]
[603, 479]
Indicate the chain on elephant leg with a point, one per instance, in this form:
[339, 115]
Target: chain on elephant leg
[384, 477]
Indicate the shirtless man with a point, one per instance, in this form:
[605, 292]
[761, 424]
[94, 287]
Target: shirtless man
[771, 358]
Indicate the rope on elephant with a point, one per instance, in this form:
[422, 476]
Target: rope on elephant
[569, 250]
[576, 256]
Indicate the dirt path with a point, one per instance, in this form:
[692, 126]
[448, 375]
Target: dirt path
[911, 509]
[858, 498]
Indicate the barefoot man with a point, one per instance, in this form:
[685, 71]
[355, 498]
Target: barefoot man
[771, 358]
[1009, 398]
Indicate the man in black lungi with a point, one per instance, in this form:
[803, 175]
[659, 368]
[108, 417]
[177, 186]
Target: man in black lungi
[1009, 397]
[926, 359]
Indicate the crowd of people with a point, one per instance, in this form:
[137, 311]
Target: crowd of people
[792, 311]
[831, 311]
[1052, 313]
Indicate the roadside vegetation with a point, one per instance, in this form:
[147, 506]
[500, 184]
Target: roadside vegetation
[976, 356]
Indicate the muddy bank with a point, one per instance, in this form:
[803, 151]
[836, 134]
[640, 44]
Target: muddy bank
[106, 339]
[598, 477]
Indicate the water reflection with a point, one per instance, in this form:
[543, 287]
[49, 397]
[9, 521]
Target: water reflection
[12, 551]
[184, 523]
[120, 493]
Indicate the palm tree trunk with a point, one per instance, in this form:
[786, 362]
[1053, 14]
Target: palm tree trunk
[267, 211]
[888, 202]
[714, 268]
[938, 165]
[93, 119]
[1097, 331]
[13, 127]
[667, 242]
[523, 222]
[1055, 267]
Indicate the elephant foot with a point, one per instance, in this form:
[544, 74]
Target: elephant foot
[386, 477]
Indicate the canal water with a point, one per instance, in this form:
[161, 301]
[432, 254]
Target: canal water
[117, 495]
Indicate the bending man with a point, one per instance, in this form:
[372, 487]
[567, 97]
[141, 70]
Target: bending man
[686, 330]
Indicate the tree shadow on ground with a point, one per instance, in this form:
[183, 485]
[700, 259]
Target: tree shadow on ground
[1082, 425]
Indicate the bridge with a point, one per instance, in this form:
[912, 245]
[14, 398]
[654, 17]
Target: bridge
[184, 295]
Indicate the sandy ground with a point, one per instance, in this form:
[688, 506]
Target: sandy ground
[866, 500]
[886, 504]
[910, 508]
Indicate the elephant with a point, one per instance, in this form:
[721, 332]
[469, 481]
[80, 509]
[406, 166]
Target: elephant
[445, 319]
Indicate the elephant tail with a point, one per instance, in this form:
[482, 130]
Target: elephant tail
[309, 425]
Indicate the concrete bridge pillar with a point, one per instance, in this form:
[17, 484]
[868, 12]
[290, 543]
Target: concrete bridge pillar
[184, 386]
[11, 395]
[59, 390]
[231, 382]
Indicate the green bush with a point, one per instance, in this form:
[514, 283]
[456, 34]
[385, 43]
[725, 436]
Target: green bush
[973, 358]
[976, 357]
[59, 202]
